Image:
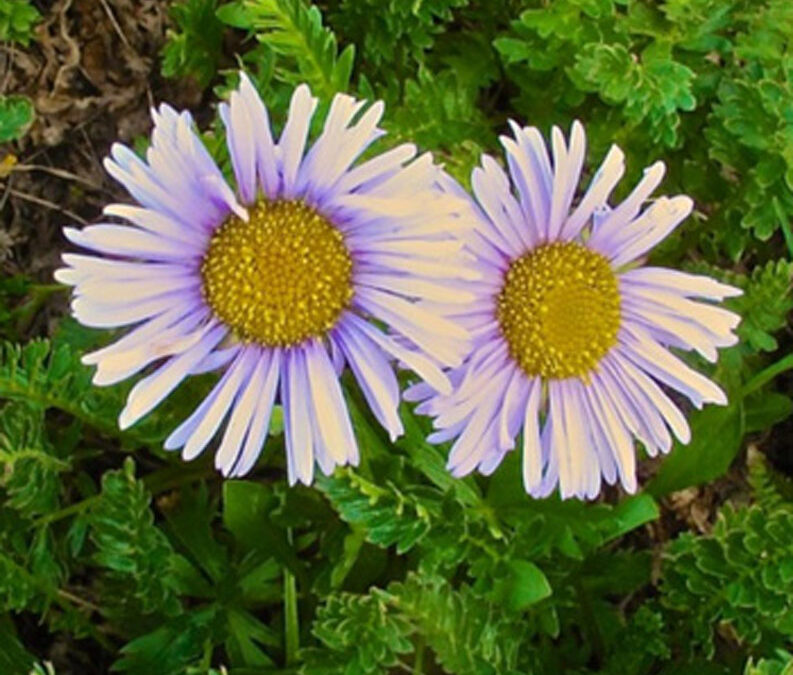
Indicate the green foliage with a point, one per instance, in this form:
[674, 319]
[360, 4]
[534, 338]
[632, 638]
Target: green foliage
[160, 567]
[16, 117]
[703, 83]
[17, 19]
[651, 90]
[394, 34]
[388, 516]
[30, 476]
[360, 634]
[737, 580]
[765, 304]
[193, 49]
[365, 634]
[306, 49]
[781, 665]
[128, 545]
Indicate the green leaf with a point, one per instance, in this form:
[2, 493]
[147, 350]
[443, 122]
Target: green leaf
[247, 509]
[17, 18]
[246, 634]
[16, 117]
[388, 515]
[763, 411]
[135, 553]
[295, 32]
[194, 48]
[738, 575]
[30, 466]
[651, 90]
[716, 436]
[14, 658]
[360, 633]
[524, 586]
[467, 633]
[169, 648]
[630, 514]
[51, 375]
[765, 304]
[190, 521]
[234, 14]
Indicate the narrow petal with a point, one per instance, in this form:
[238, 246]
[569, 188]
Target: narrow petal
[293, 138]
[416, 361]
[643, 351]
[604, 181]
[295, 397]
[242, 417]
[239, 132]
[616, 219]
[375, 377]
[123, 240]
[687, 285]
[239, 373]
[329, 407]
[261, 415]
[532, 449]
[148, 393]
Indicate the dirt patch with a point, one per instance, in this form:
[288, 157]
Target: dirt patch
[92, 73]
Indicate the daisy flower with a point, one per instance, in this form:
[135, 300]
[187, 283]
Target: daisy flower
[571, 335]
[276, 284]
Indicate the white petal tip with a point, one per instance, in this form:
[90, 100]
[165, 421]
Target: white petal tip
[64, 276]
[170, 444]
[126, 419]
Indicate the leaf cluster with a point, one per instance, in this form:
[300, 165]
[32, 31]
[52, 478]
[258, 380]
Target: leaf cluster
[17, 20]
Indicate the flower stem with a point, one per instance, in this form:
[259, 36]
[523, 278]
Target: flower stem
[291, 618]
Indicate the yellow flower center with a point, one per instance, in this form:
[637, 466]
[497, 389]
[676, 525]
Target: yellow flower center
[559, 310]
[280, 278]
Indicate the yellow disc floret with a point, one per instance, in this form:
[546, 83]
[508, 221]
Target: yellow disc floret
[280, 278]
[559, 310]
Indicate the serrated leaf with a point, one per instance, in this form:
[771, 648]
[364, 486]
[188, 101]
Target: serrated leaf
[30, 475]
[16, 117]
[129, 546]
[194, 47]
[387, 515]
[17, 18]
[294, 31]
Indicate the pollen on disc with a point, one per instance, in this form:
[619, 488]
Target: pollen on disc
[559, 310]
[280, 278]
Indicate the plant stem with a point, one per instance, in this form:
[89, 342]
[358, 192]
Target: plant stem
[291, 618]
[767, 374]
[785, 225]
[418, 659]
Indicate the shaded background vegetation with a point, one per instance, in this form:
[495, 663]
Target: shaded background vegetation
[116, 555]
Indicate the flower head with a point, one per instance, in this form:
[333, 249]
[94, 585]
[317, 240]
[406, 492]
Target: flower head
[571, 335]
[274, 284]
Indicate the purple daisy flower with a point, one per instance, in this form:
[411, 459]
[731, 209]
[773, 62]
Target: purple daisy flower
[570, 334]
[276, 284]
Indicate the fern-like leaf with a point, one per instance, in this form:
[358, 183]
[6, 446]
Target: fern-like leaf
[294, 31]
